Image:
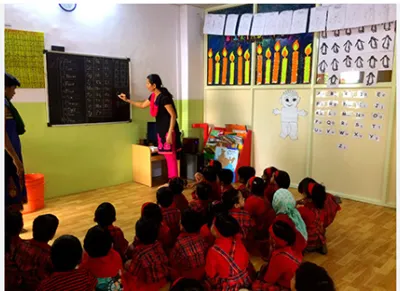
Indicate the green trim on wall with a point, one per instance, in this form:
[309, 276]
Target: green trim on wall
[75, 159]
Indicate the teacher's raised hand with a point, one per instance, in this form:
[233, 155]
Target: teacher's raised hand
[122, 96]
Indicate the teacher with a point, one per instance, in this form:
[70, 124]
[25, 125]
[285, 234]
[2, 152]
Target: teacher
[14, 180]
[162, 107]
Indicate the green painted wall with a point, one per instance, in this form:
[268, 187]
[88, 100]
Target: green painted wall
[80, 158]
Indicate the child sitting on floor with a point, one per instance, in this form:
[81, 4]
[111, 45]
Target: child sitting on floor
[14, 224]
[66, 254]
[283, 263]
[234, 203]
[210, 177]
[214, 209]
[102, 260]
[284, 206]
[200, 204]
[245, 173]
[105, 216]
[313, 215]
[270, 188]
[188, 256]
[311, 277]
[148, 266]
[281, 180]
[227, 261]
[177, 185]
[33, 257]
[331, 205]
[225, 179]
[171, 214]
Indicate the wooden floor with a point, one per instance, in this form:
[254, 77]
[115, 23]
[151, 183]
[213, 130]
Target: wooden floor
[361, 241]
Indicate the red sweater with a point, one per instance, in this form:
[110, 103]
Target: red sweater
[205, 232]
[300, 243]
[270, 191]
[181, 202]
[261, 211]
[314, 220]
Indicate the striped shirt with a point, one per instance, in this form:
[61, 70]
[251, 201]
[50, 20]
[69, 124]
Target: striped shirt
[78, 279]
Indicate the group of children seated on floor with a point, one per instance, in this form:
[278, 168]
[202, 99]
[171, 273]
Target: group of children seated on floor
[204, 244]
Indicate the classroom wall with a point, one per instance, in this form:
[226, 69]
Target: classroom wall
[391, 198]
[79, 158]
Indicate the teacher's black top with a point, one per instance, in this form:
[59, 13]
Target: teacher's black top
[163, 118]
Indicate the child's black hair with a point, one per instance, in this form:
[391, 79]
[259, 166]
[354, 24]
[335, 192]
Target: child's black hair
[311, 277]
[45, 227]
[210, 174]
[267, 175]
[203, 191]
[257, 187]
[284, 231]
[66, 253]
[152, 212]
[13, 222]
[216, 165]
[147, 231]
[213, 210]
[226, 225]
[185, 284]
[165, 197]
[302, 188]
[318, 195]
[225, 176]
[176, 185]
[245, 173]
[282, 179]
[191, 221]
[97, 242]
[230, 198]
[105, 214]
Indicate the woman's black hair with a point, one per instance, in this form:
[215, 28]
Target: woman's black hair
[302, 188]
[284, 231]
[318, 195]
[245, 173]
[155, 79]
[230, 198]
[214, 209]
[11, 81]
[311, 277]
[257, 187]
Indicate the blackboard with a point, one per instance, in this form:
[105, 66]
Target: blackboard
[83, 89]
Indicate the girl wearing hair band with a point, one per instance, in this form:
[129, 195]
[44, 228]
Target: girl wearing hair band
[286, 211]
[313, 215]
[162, 107]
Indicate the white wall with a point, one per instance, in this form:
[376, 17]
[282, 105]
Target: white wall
[147, 34]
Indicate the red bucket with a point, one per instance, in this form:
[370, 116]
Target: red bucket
[34, 184]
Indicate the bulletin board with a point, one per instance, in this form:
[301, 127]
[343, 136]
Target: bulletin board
[350, 139]
[23, 51]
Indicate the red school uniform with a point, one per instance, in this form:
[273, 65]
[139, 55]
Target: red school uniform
[300, 243]
[78, 279]
[172, 218]
[120, 244]
[244, 219]
[226, 188]
[205, 232]
[261, 211]
[148, 269]
[107, 269]
[200, 206]
[244, 190]
[215, 194]
[188, 257]
[331, 207]
[33, 261]
[181, 202]
[314, 220]
[282, 266]
[227, 265]
[270, 191]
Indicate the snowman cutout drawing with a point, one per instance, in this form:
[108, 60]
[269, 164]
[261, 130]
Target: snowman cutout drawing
[289, 114]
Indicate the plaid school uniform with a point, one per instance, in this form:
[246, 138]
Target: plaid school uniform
[236, 278]
[12, 276]
[215, 194]
[148, 269]
[181, 202]
[300, 243]
[120, 244]
[33, 261]
[314, 220]
[188, 257]
[78, 279]
[172, 218]
[209, 239]
[277, 274]
[199, 206]
[244, 219]
[244, 190]
[330, 208]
